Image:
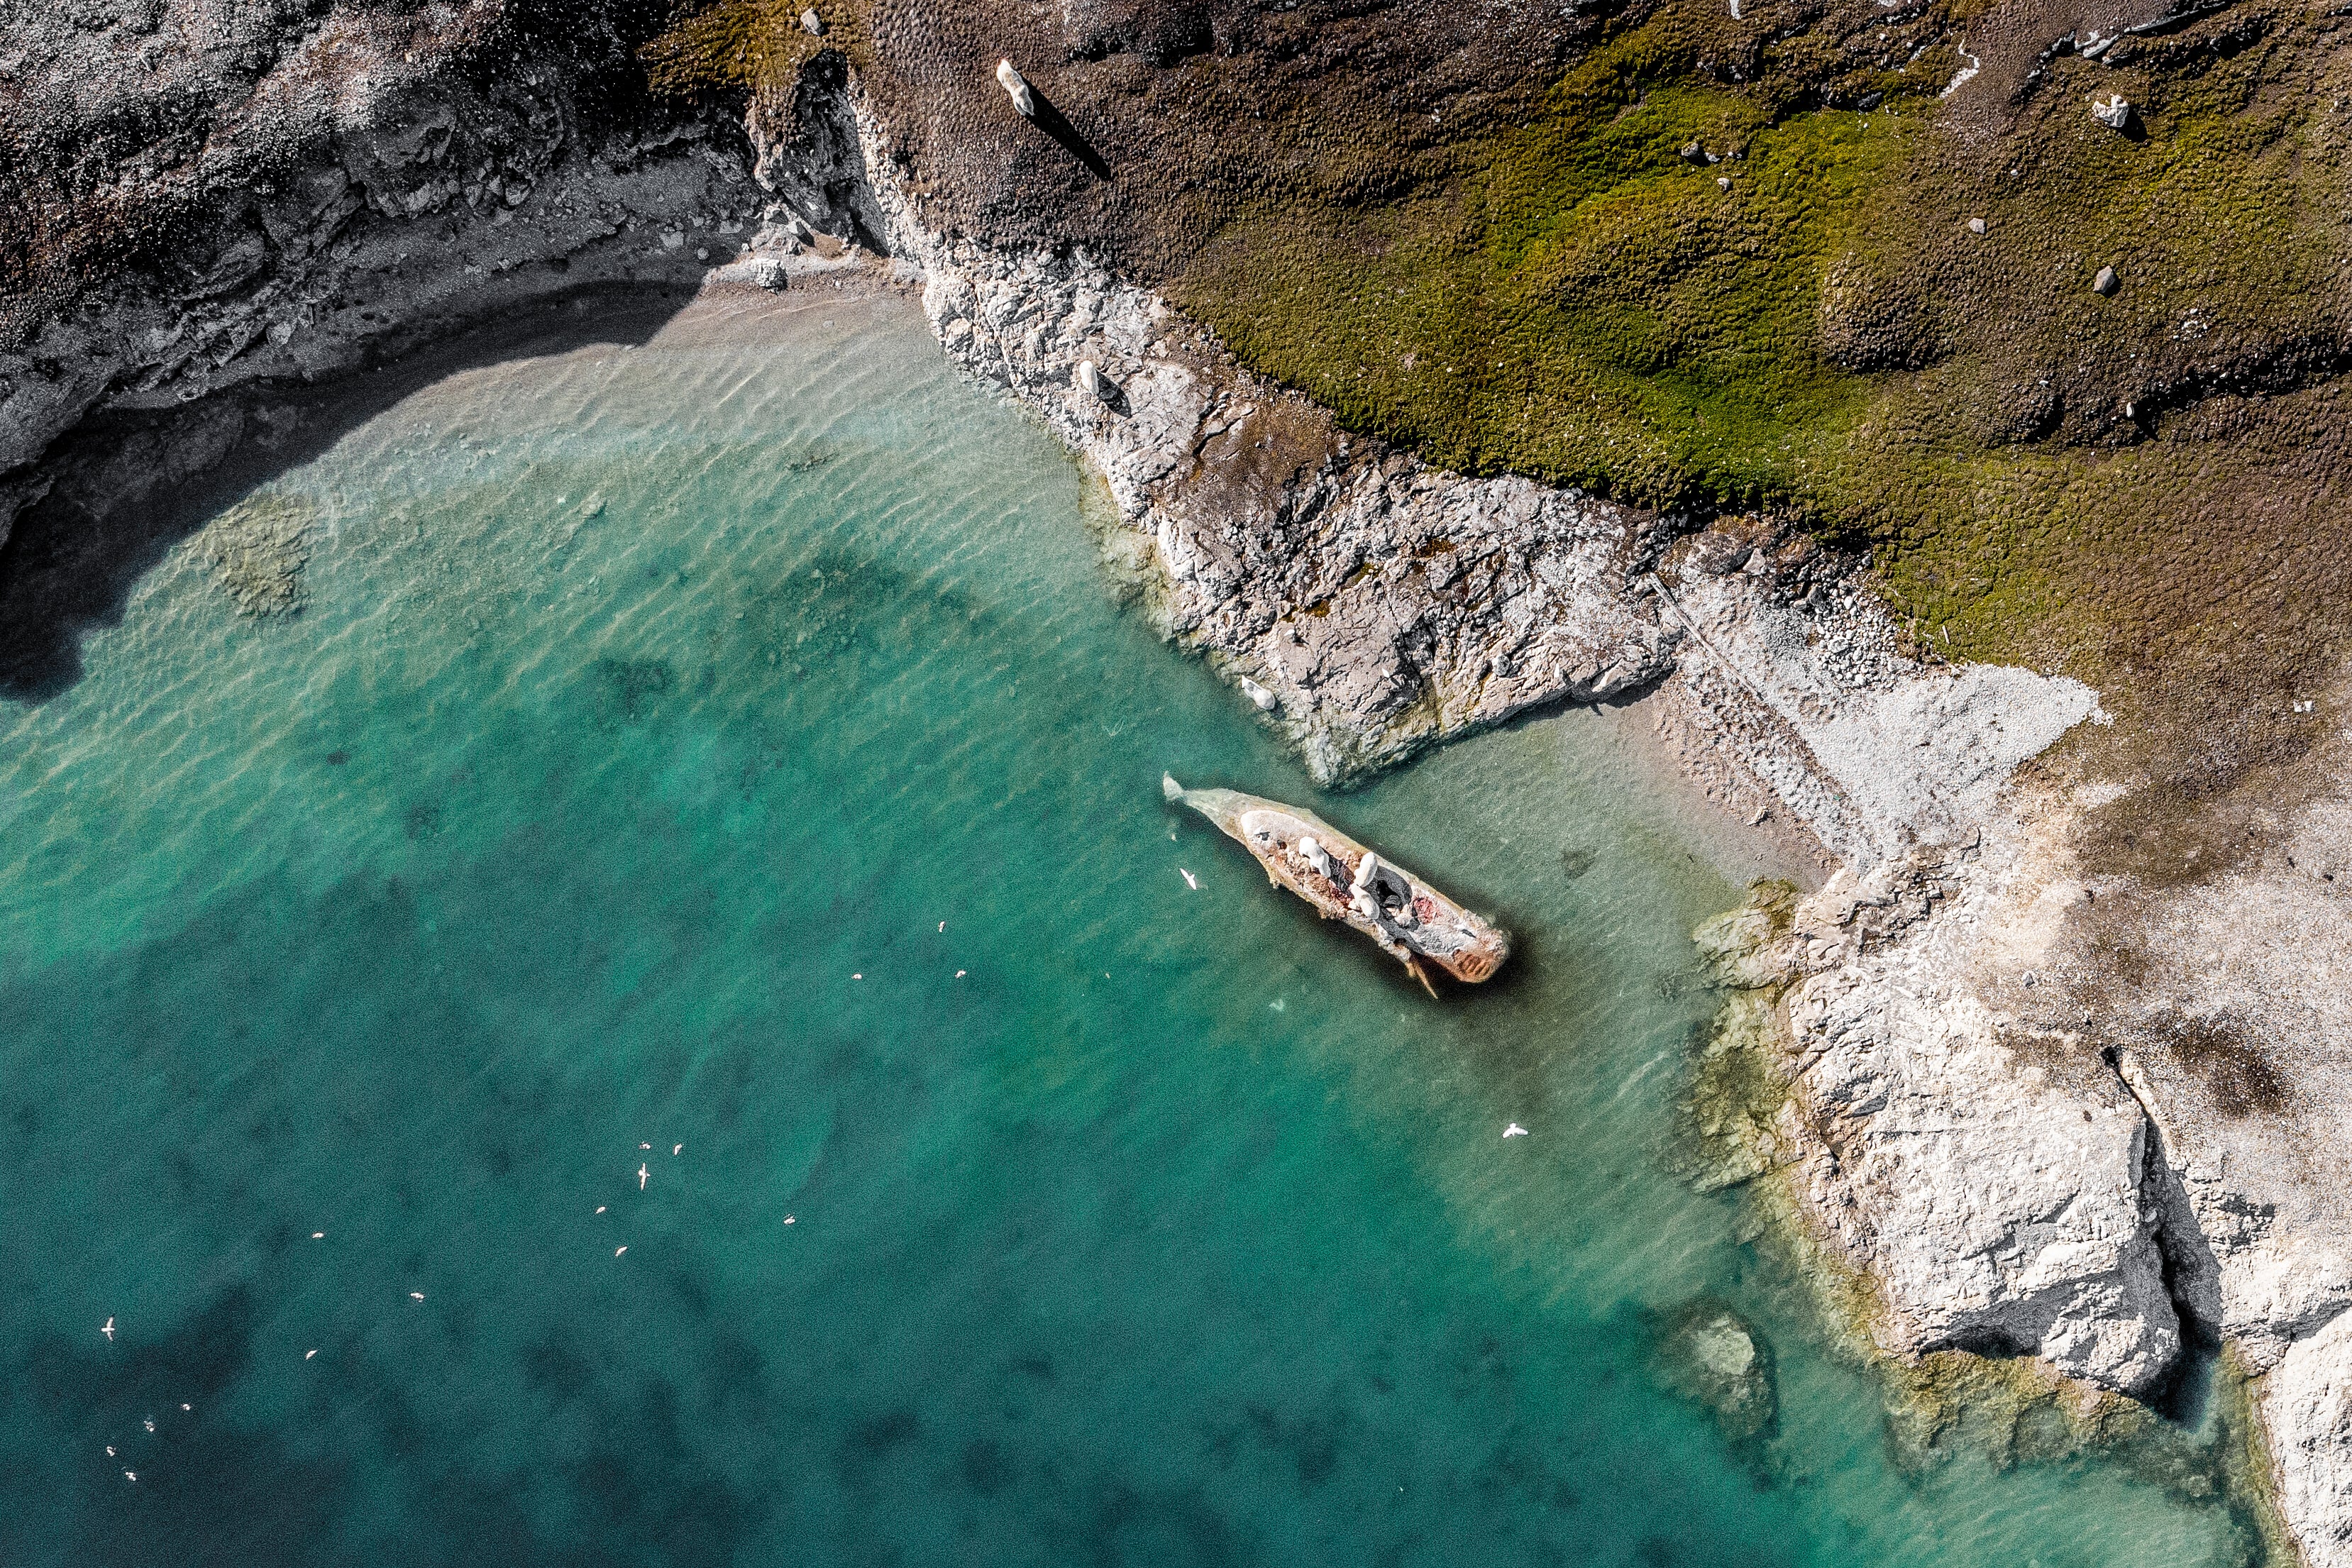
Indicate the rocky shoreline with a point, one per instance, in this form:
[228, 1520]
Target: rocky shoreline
[1954, 1126]
[2005, 1190]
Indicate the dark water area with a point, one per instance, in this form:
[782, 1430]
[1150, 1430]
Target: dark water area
[657, 1020]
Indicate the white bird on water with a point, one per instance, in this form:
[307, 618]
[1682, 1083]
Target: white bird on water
[1515, 1131]
[1189, 881]
[109, 1331]
[641, 1178]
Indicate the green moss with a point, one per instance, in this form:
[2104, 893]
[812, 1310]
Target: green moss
[2031, 464]
[739, 47]
[1584, 303]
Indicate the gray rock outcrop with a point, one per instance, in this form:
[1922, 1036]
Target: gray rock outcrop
[299, 202]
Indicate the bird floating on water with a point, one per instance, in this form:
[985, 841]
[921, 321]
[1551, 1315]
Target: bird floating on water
[1515, 1131]
[641, 1178]
[1189, 881]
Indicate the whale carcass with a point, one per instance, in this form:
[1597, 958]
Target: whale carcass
[1412, 922]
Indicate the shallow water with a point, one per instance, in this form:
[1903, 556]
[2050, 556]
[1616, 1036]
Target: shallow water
[568, 876]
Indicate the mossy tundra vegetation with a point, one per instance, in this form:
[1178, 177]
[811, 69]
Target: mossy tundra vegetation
[1829, 261]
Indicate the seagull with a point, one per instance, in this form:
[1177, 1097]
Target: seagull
[318, 1235]
[677, 1149]
[151, 1423]
[130, 1475]
[416, 1295]
[109, 1331]
[600, 1208]
[110, 1450]
[958, 974]
[1515, 1131]
[308, 1354]
[791, 1219]
[943, 925]
[641, 1178]
[618, 1250]
[1189, 881]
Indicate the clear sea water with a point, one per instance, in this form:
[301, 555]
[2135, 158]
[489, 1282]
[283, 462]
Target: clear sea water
[707, 805]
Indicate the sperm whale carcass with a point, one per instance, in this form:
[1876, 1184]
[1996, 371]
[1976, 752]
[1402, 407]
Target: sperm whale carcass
[1412, 922]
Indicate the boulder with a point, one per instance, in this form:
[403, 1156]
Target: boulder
[1709, 1353]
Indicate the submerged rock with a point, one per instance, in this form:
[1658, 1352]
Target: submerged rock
[258, 549]
[1711, 1354]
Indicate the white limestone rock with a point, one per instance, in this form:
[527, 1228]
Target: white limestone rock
[2000, 1213]
[2306, 1408]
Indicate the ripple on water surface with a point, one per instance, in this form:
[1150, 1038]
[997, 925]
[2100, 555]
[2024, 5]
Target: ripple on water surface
[549, 912]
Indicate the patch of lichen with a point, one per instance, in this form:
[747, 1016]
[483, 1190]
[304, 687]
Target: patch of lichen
[734, 47]
[1584, 301]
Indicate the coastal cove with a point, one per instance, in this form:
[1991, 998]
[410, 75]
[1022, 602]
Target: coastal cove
[626, 905]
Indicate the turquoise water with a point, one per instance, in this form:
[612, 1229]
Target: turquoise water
[568, 875]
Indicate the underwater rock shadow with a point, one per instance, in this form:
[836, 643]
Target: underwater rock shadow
[237, 1480]
[130, 484]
